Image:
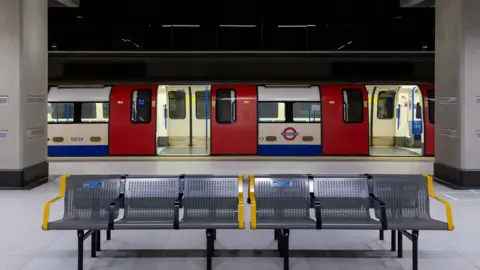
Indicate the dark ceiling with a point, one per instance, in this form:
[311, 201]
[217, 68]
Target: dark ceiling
[353, 25]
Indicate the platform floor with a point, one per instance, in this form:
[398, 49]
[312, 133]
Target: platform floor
[24, 246]
[246, 167]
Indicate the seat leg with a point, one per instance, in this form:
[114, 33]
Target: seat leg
[394, 244]
[210, 247]
[98, 240]
[415, 250]
[80, 235]
[381, 235]
[109, 235]
[93, 239]
[285, 248]
[214, 234]
[400, 245]
[276, 232]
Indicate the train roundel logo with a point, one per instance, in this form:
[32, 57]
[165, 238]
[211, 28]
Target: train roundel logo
[289, 134]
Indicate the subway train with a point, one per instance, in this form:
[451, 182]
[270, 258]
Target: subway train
[263, 120]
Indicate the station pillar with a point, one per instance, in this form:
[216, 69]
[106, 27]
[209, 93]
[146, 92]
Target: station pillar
[23, 93]
[457, 92]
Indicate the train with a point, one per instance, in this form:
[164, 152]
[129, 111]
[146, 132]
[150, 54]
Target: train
[262, 120]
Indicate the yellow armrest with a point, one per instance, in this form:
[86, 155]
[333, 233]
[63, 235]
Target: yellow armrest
[241, 215]
[448, 207]
[46, 210]
[253, 203]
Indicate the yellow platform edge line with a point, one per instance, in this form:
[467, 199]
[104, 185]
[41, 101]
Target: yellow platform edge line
[448, 207]
[253, 203]
[241, 206]
[46, 209]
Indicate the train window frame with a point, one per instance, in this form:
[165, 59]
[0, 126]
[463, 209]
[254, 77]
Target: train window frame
[183, 112]
[391, 114]
[277, 112]
[319, 103]
[102, 120]
[63, 122]
[206, 115]
[233, 106]
[132, 120]
[346, 90]
[431, 105]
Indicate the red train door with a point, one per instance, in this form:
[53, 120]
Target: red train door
[344, 120]
[132, 129]
[234, 120]
[428, 92]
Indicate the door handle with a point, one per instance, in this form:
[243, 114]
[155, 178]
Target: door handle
[165, 112]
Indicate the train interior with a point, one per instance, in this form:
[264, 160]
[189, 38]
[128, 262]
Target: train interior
[396, 120]
[183, 120]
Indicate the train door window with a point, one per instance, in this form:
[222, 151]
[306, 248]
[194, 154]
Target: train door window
[386, 105]
[431, 106]
[176, 105]
[306, 112]
[61, 112]
[141, 106]
[201, 105]
[352, 106]
[89, 112]
[225, 107]
[106, 110]
[271, 112]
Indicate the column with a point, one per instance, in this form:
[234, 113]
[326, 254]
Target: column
[23, 93]
[457, 85]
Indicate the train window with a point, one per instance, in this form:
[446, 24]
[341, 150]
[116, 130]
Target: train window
[141, 106]
[352, 106]
[431, 106]
[386, 104]
[271, 112]
[89, 112]
[176, 105]
[226, 106]
[106, 110]
[306, 112]
[60, 112]
[201, 105]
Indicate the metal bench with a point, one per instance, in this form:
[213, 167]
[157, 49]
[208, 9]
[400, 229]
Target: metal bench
[149, 203]
[345, 203]
[212, 202]
[87, 201]
[281, 203]
[407, 205]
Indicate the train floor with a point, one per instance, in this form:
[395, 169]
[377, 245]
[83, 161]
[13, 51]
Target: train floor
[395, 151]
[183, 151]
[24, 246]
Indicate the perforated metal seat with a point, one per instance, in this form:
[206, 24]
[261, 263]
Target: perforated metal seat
[283, 202]
[87, 201]
[344, 202]
[407, 202]
[149, 202]
[210, 202]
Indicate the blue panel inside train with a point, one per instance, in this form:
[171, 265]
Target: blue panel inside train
[78, 151]
[289, 150]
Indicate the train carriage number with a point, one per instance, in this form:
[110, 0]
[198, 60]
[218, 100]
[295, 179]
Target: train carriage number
[76, 139]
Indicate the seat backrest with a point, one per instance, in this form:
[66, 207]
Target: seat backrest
[211, 198]
[405, 196]
[342, 196]
[282, 197]
[89, 196]
[150, 198]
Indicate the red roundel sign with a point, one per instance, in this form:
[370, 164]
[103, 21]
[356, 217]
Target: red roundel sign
[289, 134]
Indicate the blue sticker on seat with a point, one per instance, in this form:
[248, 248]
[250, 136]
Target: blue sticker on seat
[93, 185]
[281, 183]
